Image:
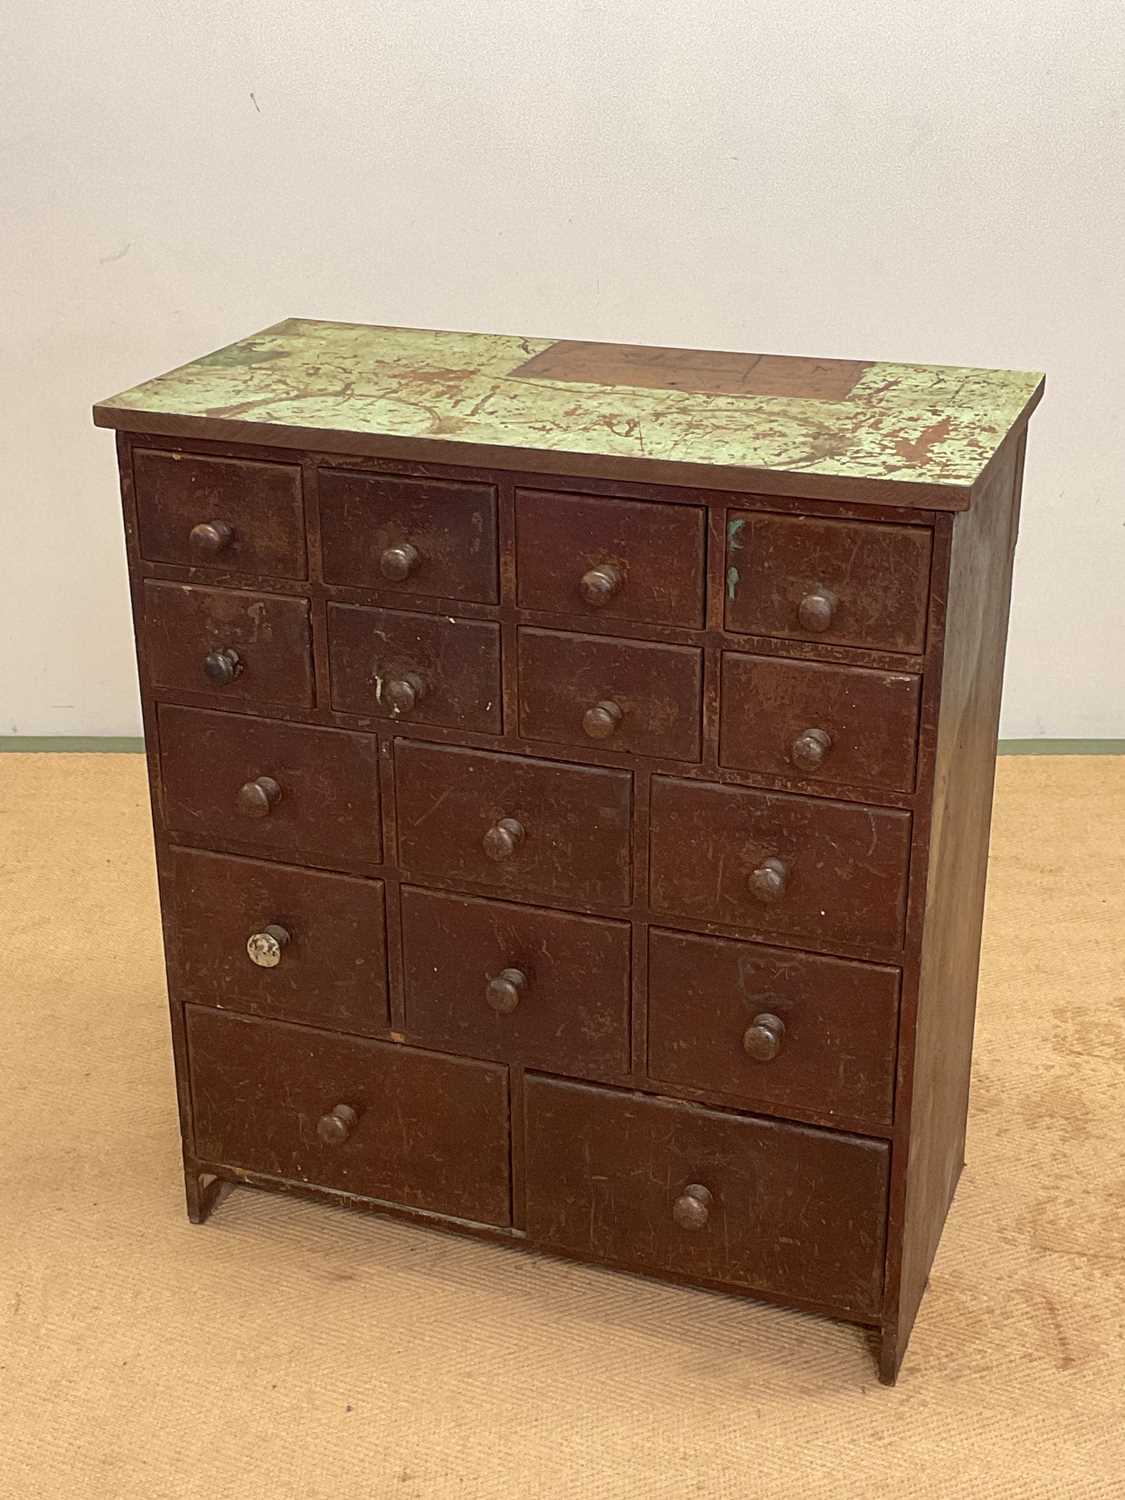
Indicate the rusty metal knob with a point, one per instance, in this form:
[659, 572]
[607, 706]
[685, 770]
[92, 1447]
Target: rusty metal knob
[692, 1208]
[258, 798]
[503, 838]
[768, 881]
[817, 610]
[599, 585]
[506, 990]
[210, 538]
[762, 1039]
[223, 666]
[602, 720]
[265, 948]
[399, 561]
[810, 748]
[335, 1127]
[402, 694]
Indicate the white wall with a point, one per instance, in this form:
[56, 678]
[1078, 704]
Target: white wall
[886, 179]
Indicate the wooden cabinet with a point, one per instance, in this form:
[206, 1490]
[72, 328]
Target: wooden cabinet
[571, 769]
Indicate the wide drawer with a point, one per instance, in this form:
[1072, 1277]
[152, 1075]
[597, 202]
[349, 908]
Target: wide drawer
[274, 940]
[236, 646]
[411, 536]
[516, 983]
[525, 826]
[229, 514]
[618, 559]
[663, 1186]
[399, 664]
[854, 583]
[774, 1028]
[365, 1117]
[283, 788]
[593, 690]
[823, 871]
[819, 722]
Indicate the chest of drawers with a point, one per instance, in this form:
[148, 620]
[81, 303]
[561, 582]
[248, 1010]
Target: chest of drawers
[571, 769]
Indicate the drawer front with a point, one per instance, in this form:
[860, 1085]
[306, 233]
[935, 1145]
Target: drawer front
[238, 647]
[819, 870]
[520, 825]
[854, 583]
[410, 536]
[229, 514]
[617, 559]
[819, 722]
[593, 690]
[783, 1209]
[772, 1027]
[516, 983]
[220, 773]
[429, 1132]
[392, 664]
[298, 945]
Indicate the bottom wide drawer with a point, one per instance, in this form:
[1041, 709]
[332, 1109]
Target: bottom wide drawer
[372, 1118]
[662, 1186]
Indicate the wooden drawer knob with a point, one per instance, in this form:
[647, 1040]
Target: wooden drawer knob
[599, 585]
[399, 561]
[762, 1039]
[817, 610]
[768, 881]
[810, 748]
[602, 720]
[503, 838]
[258, 798]
[692, 1208]
[210, 538]
[222, 667]
[506, 990]
[403, 694]
[335, 1127]
[265, 948]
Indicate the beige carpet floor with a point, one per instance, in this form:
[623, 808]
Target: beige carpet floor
[292, 1350]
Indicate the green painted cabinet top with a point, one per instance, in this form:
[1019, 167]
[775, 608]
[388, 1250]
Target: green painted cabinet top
[773, 424]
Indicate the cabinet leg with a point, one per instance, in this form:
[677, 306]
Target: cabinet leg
[203, 1192]
[889, 1355]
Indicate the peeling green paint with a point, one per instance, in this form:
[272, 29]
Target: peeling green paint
[932, 424]
[734, 577]
[734, 532]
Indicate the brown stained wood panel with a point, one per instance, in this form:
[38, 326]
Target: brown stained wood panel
[559, 831]
[328, 808]
[836, 1040]
[260, 503]
[451, 528]
[571, 1012]
[792, 1211]
[332, 972]
[431, 1132]
[845, 866]
[655, 550]
[769, 705]
[570, 686]
[877, 577]
[185, 625]
[450, 667]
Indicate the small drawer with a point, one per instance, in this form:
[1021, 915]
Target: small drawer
[411, 536]
[235, 646]
[660, 1186]
[281, 788]
[774, 1028]
[592, 690]
[516, 983]
[823, 871]
[392, 664]
[229, 514]
[372, 1118]
[272, 940]
[852, 583]
[613, 559]
[819, 722]
[517, 824]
